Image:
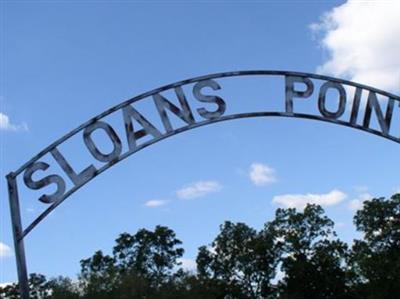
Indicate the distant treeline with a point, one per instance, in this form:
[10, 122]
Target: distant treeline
[296, 255]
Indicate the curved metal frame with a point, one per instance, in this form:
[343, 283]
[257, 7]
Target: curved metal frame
[20, 233]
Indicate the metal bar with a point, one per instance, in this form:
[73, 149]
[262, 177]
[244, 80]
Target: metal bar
[18, 231]
[192, 80]
[197, 125]
[18, 236]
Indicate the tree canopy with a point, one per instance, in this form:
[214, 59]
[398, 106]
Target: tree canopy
[296, 255]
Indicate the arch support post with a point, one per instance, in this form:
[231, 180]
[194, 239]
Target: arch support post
[18, 237]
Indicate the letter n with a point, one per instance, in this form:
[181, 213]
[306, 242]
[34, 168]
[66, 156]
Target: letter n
[384, 121]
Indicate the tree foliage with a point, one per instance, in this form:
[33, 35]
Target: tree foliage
[375, 260]
[296, 255]
[312, 256]
[241, 261]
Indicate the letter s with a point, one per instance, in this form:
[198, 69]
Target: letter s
[35, 185]
[209, 99]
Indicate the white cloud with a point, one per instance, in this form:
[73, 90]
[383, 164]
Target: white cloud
[188, 264]
[5, 284]
[261, 174]
[361, 38]
[154, 203]
[6, 125]
[357, 203]
[5, 250]
[299, 201]
[198, 189]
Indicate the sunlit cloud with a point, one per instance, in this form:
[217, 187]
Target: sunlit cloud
[154, 203]
[357, 203]
[5, 251]
[6, 125]
[360, 39]
[299, 201]
[261, 174]
[198, 189]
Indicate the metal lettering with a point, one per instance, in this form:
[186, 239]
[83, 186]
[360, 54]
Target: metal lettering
[87, 138]
[384, 121]
[209, 99]
[148, 129]
[322, 100]
[356, 106]
[77, 179]
[48, 180]
[291, 93]
[184, 114]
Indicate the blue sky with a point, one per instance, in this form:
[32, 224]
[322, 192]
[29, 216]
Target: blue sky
[64, 62]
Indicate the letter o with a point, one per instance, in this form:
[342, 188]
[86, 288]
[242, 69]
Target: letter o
[322, 100]
[87, 138]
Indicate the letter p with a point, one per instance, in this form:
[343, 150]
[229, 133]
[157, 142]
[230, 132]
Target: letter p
[292, 93]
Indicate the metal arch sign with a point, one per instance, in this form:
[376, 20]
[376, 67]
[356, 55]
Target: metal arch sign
[296, 87]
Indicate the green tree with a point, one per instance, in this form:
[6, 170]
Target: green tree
[312, 257]
[98, 277]
[375, 260]
[10, 291]
[142, 265]
[150, 254]
[63, 288]
[242, 262]
[39, 288]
